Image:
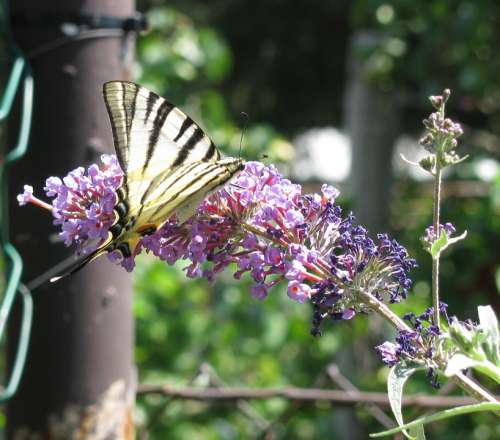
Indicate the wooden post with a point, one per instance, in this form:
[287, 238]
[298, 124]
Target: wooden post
[79, 380]
[372, 121]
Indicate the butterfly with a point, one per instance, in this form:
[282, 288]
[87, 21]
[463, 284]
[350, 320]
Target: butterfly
[170, 165]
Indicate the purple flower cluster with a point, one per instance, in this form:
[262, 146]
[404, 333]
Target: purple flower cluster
[416, 346]
[83, 202]
[262, 225]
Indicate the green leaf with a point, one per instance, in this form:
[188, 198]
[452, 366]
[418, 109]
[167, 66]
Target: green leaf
[459, 362]
[443, 242]
[417, 432]
[398, 376]
[439, 245]
[489, 323]
[447, 413]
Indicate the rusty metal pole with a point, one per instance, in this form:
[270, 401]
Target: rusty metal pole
[79, 379]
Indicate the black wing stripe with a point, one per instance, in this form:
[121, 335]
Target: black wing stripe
[185, 125]
[124, 106]
[133, 105]
[116, 141]
[163, 110]
[151, 101]
[210, 152]
[196, 137]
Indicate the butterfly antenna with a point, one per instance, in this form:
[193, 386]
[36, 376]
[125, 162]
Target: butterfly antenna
[244, 117]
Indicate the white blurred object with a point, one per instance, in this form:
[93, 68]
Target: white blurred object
[322, 154]
[486, 169]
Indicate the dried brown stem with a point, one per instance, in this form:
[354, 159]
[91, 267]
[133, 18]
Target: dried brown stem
[337, 397]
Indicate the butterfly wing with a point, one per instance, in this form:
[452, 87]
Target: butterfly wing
[152, 137]
[169, 165]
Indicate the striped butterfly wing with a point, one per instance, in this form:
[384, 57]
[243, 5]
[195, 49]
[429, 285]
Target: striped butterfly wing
[169, 166]
[152, 138]
[183, 188]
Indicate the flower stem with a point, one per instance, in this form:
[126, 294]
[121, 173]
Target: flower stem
[384, 311]
[435, 260]
[473, 388]
[40, 203]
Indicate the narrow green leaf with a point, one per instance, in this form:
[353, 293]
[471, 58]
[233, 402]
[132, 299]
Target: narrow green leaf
[418, 432]
[489, 323]
[447, 413]
[398, 375]
[443, 242]
[439, 245]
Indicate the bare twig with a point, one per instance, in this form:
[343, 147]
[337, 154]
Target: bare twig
[340, 398]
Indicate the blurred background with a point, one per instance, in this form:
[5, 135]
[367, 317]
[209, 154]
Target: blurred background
[335, 92]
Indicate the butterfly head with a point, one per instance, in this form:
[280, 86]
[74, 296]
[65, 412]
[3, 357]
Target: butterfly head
[233, 165]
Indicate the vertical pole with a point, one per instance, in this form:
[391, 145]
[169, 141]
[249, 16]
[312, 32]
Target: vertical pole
[372, 121]
[79, 378]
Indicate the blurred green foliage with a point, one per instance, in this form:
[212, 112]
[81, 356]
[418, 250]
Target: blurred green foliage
[285, 66]
[433, 44]
[187, 65]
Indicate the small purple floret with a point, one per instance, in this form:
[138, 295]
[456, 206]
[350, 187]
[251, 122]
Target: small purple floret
[415, 346]
[26, 196]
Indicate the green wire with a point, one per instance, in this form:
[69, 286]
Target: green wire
[11, 89]
[19, 74]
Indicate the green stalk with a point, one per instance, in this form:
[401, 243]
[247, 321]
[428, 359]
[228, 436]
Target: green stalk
[435, 260]
[380, 308]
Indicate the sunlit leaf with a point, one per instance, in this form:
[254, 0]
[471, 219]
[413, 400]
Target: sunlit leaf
[417, 432]
[489, 322]
[398, 376]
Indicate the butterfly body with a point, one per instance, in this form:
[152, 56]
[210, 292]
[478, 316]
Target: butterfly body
[169, 166]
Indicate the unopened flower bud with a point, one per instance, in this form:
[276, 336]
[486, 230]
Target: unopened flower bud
[457, 130]
[428, 124]
[436, 101]
[427, 140]
[448, 124]
[427, 163]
